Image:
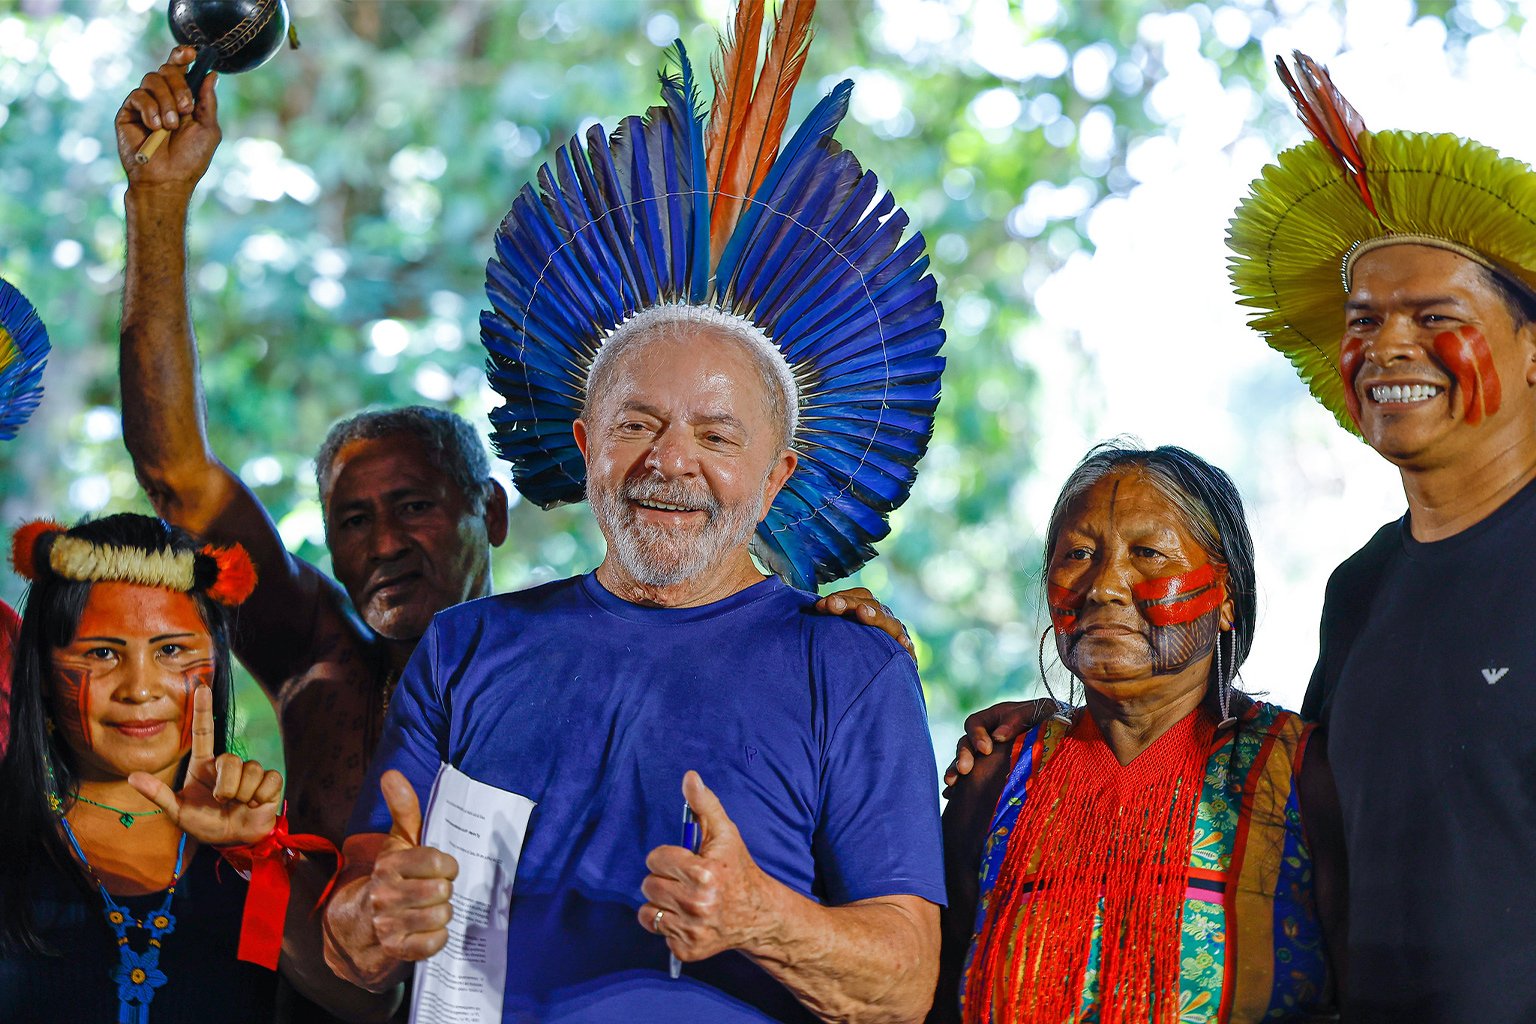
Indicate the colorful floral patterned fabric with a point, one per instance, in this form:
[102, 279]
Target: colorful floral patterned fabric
[1253, 948]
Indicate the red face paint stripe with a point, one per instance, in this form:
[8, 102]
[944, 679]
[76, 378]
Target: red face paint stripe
[1456, 353]
[1063, 604]
[1351, 361]
[1175, 586]
[83, 707]
[1186, 610]
[1487, 376]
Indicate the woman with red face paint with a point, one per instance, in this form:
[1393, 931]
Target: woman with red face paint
[1168, 851]
[120, 796]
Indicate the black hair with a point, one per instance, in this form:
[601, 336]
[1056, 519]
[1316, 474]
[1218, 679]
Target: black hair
[50, 618]
[1518, 297]
[452, 444]
[1202, 495]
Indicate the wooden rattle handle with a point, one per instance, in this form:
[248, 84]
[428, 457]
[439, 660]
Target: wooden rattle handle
[154, 142]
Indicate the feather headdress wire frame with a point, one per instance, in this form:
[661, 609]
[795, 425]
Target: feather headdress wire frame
[23, 354]
[800, 242]
[1349, 190]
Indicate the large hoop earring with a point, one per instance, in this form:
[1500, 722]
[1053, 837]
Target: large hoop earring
[1063, 710]
[1225, 667]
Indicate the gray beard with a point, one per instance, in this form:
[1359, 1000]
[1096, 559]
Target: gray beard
[661, 557]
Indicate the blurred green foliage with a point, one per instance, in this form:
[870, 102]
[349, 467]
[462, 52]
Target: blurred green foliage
[339, 241]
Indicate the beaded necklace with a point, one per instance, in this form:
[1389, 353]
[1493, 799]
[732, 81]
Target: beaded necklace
[138, 974]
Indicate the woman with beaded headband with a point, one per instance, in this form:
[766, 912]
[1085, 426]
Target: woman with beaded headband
[1157, 855]
[120, 794]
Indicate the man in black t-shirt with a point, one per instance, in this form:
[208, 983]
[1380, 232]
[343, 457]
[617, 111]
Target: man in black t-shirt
[1426, 678]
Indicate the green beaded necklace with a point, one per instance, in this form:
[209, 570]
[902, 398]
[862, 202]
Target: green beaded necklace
[125, 818]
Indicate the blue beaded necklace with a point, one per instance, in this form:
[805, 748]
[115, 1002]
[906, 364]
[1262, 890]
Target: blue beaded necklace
[138, 974]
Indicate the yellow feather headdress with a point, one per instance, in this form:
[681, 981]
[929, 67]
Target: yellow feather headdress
[1295, 234]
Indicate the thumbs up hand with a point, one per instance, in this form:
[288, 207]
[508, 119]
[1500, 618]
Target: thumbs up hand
[408, 892]
[714, 900]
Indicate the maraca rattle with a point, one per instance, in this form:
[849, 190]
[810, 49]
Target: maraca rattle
[231, 36]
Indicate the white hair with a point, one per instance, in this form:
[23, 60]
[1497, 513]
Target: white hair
[778, 377]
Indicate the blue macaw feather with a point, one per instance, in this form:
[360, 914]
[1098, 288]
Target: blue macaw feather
[23, 355]
[580, 224]
[605, 171]
[607, 220]
[847, 267]
[641, 196]
[850, 320]
[682, 96]
[793, 240]
[567, 229]
[768, 298]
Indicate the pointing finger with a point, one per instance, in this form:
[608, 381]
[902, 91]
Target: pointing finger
[202, 725]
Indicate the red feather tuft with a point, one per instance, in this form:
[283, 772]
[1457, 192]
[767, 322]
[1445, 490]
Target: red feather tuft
[237, 574]
[744, 140]
[24, 546]
[1329, 117]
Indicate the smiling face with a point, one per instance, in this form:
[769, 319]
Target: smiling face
[1434, 366]
[405, 541]
[1136, 601]
[122, 688]
[683, 459]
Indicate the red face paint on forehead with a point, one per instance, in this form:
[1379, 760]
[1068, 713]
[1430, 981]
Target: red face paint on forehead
[1351, 362]
[129, 611]
[1466, 355]
[1175, 600]
[1064, 604]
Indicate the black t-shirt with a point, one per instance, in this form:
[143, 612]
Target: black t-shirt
[1426, 682]
[205, 983]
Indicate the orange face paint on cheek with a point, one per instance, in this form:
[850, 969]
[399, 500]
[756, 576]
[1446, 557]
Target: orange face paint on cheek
[1351, 361]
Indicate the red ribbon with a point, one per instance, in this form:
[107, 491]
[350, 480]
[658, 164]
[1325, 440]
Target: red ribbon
[266, 901]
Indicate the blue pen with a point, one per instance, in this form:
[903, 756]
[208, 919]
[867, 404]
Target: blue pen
[691, 843]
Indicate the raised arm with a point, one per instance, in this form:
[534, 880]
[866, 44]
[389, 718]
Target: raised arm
[164, 411]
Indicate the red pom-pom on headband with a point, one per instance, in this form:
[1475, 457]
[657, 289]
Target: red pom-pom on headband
[237, 575]
[24, 546]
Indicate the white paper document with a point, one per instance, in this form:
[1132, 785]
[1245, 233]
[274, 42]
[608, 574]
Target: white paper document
[483, 828]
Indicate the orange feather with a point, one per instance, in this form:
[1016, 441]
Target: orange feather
[1329, 117]
[749, 153]
[734, 71]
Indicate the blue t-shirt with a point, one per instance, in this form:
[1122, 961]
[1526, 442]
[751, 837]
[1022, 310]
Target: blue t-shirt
[810, 729]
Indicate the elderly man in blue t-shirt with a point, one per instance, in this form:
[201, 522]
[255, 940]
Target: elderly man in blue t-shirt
[799, 741]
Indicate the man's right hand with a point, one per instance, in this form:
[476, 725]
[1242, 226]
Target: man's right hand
[163, 100]
[391, 905]
[406, 896]
[996, 724]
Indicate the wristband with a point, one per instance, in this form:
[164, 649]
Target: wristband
[266, 901]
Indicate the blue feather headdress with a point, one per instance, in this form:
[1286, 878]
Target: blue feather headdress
[23, 352]
[800, 242]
